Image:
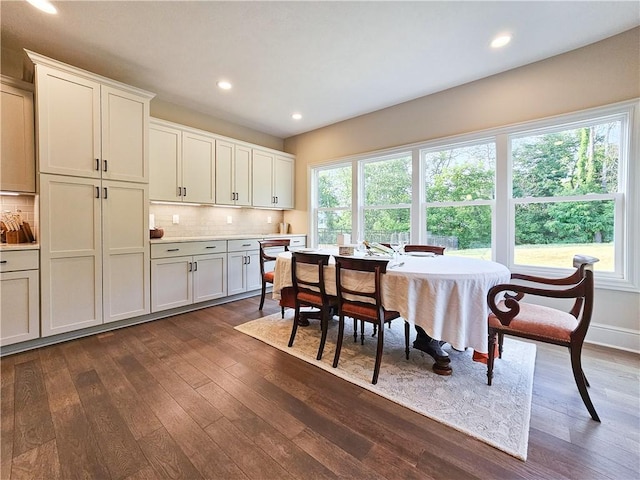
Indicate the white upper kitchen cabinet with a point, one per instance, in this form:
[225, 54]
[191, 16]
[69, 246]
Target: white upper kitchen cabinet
[273, 177]
[88, 125]
[17, 145]
[233, 173]
[181, 163]
[165, 162]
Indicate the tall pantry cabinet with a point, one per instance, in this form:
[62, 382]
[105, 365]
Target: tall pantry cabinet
[93, 168]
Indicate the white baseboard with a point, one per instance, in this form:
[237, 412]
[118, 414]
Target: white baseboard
[614, 337]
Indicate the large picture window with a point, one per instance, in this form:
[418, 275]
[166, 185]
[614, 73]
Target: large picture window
[459, 186]
[333, 200]
[565, 193]
[530, 196]
[386, 197]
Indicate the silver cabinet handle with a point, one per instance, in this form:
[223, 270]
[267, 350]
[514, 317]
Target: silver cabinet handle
[97, 192]
[105, 165]
[97, 164]
[3, 261]
[184, 189]
[105, 193]
[211, 246]
[173, 249]
[195, 266]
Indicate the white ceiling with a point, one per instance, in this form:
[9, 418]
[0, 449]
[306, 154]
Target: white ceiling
[329, 61]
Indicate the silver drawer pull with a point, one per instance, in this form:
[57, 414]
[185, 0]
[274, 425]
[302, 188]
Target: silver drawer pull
[3, 261]
[246, 244]
[173, 249]
[211, 247]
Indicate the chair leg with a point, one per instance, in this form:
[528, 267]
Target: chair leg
[376, 368]
[282, 311]
[491, 356]
[294, 329]
[355, 330]
[500, 342]
[263, 295]
[362, 332]
[578, 375]
[324, 326]
[406, 339]
[336, 357]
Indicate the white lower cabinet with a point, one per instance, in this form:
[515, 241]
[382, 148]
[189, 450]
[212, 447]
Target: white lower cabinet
[183, 273]
[19, 296]
[243, 271]
[94, 248]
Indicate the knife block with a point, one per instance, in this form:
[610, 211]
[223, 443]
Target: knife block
[16, 236]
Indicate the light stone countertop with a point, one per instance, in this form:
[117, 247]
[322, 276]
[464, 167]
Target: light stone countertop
[8, 247]
[224, 237]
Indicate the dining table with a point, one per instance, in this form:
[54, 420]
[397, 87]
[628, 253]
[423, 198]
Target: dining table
[446, 295]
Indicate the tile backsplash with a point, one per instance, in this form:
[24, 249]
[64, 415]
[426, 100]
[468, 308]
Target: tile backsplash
[27, 205]
[200, 221]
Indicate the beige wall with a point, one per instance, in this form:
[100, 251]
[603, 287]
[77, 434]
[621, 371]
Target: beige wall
[184, 116]
[600, 74]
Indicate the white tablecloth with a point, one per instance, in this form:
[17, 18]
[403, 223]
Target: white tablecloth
[445, 294]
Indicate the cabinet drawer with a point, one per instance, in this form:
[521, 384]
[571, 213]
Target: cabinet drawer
[241, 245]
[298, 242]
[19, 260]
[179, 249]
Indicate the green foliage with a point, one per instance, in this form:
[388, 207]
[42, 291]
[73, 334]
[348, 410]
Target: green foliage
[574, 162]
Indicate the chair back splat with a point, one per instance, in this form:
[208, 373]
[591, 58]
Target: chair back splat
[425, 248]
[309, 291]
[268, 251]
[510, 315]
[358, 286]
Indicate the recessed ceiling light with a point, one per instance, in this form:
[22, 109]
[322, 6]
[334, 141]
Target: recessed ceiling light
[296, 116]
[224, 85]
[501, 41]
[44, 5]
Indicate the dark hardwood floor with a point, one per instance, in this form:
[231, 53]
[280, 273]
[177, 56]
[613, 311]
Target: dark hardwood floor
[189, 397]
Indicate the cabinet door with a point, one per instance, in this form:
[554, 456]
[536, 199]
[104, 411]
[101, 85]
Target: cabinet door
[236, 272]
[242, 175]
[225, 187]
[19, 306]
[253, 279]
[209, 277]
[125, 238]
[165, 163]
[198, 168]
[171, 283]
[124, 136]
[262, 172]
[17, 158]
[71, 254]
[283, 177]
[68, 123]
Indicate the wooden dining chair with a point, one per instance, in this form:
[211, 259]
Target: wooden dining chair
[268, 253]
[512, 316]
[425, 248]
[364, 302]
[309, 291]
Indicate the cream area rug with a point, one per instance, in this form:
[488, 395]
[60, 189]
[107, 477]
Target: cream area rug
[498, 414]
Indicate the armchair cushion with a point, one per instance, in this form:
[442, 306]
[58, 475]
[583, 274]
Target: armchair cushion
[538, 320]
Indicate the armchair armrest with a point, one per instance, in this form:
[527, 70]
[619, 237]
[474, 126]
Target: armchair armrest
[513, 293]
